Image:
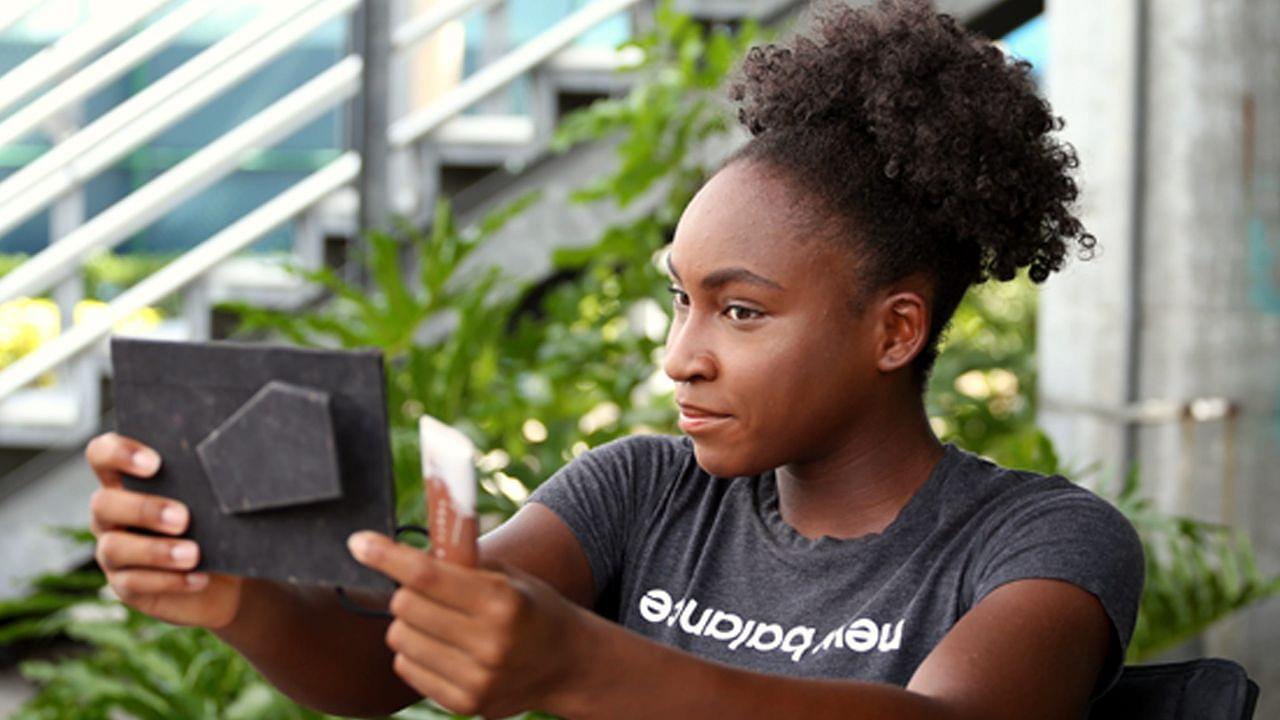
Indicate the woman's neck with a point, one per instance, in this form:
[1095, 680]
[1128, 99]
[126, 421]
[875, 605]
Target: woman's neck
[862, 486]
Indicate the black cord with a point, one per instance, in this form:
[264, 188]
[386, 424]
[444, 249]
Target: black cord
[350, 606]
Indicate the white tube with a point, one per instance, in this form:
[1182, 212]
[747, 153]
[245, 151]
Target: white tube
[449, 454]
[449, 479]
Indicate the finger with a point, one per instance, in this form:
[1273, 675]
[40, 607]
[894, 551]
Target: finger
[436, 619]
[434, 654]
[119, 550]
[434, 686]
[116, 507]
[111, 454]
[130, 585]
[458, 587]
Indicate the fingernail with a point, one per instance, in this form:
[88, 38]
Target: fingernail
[183, 552]
[358, 544]
[197, 580]
[146, 461]
[175, 516]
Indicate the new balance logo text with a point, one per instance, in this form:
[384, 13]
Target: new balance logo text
[860, 635]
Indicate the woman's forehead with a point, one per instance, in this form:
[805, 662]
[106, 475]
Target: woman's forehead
[747, 216]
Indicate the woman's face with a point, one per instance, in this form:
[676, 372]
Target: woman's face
[772, 364]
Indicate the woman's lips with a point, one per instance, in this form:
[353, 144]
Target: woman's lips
[695, 419]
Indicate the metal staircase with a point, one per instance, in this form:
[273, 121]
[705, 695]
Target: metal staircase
[457, 132]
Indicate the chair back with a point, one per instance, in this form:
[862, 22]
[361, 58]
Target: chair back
[1204, 689]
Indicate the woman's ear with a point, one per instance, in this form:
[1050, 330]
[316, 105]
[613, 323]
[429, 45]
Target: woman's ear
[904, 325]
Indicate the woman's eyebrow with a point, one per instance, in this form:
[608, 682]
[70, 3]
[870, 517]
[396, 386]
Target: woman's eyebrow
[724, 276]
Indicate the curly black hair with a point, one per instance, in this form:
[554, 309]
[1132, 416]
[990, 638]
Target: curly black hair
[931, 150]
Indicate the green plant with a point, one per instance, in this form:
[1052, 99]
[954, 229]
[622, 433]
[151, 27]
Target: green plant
[27, 617]
[441, 335]
[149, 670]
[982, 390]
[1197, 574]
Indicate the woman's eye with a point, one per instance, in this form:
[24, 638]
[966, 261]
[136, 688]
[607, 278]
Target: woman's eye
[740, 313]
[679, 298]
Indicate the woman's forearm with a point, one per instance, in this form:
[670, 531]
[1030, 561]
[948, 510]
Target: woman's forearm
[624, 675]
[315, 651]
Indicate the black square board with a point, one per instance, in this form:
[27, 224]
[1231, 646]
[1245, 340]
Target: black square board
[280, 452]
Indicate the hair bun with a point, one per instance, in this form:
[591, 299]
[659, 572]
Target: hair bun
[920, 132]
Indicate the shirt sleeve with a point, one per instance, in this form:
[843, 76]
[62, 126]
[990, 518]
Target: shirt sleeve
[600, 495]
[1077, 537]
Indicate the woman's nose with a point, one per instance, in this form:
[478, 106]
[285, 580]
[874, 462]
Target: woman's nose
[688, 356]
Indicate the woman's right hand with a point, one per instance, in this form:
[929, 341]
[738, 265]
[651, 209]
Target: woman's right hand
[152, 574]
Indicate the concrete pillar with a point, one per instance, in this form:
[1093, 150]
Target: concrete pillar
[1174, 107]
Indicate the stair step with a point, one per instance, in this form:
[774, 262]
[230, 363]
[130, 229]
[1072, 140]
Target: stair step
[338, 214]
[56, 406]
[483, 140]
[593, 70]
[733, 10]
[261, 281]
[44, 417]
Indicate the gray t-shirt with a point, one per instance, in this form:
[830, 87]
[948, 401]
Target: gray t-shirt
[707, 564]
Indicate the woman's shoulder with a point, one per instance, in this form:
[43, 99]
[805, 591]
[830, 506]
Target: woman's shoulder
[1033, 525]
[995, 491]
[1026, 519]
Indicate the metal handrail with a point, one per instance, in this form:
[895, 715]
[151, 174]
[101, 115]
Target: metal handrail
[119, 60]
[421, 27]
[151, 200]
[14, 11]
[414, 127]
[192, 76]
[184, 180]
[111, 146]
[177, 274]
[69, 51]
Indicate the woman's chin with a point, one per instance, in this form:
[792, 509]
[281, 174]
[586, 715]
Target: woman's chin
[723, 462]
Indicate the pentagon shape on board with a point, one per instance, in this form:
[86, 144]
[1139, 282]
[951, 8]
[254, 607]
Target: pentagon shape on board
[277, 450]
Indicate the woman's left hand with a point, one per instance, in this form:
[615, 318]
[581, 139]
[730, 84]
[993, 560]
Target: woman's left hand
[489, 641]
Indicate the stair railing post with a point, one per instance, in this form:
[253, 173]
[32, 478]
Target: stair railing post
[641, 16]
[374, 44]
[404, 194]
[496, 42]
[67, 214]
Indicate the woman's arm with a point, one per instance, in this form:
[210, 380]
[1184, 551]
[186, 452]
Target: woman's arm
[494, 641]
[315, 651]
[328, 658]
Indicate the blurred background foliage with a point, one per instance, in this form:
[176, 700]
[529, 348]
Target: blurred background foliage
[28, 322]
[538, 372]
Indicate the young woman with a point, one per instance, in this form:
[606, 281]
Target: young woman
[808, 548]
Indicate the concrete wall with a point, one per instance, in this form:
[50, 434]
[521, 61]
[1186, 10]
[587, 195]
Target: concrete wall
[1179, 140]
